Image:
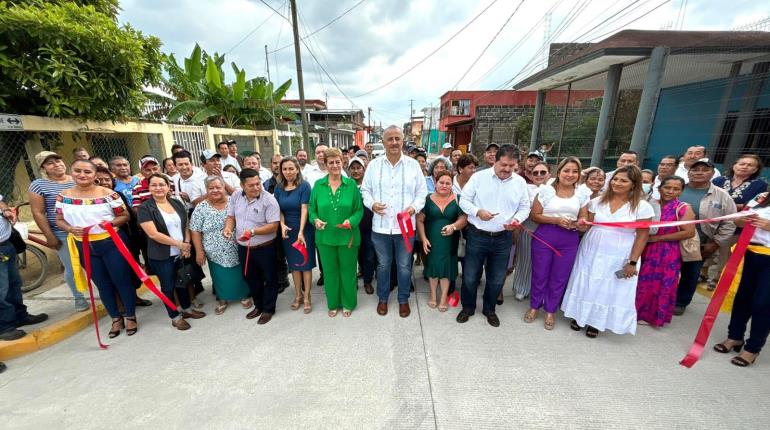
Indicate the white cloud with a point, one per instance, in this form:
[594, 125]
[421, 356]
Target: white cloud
[380, 39]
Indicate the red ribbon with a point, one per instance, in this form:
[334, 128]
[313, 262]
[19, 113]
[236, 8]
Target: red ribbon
[302, 250]
[454, 299]
[126, 254]
[406, 227]
[345, 225]
[534, 236]
[648, 224]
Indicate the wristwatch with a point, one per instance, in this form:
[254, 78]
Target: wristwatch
[632, 262]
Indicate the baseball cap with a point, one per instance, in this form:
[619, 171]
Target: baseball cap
[42, 156]
[446, 145]
[490, 145]
[356, 160]
[147, 160]
[362, 153]
[536, 154]
[208, 154]
[704, 161]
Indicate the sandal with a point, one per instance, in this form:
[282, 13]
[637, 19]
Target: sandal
[333, 313]
[346, 313]
[575, 326]
[742, 362]
[295, 304]
[443, 307]
[131, 331]
[308, 307]
[530, 316]
[220, 309]
[432, 304]
[247, 303]
[550, 321]
[729, 344]
[116, 322]
[592, 332]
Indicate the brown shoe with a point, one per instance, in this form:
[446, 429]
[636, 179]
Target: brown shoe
[403, 310]
[180, 324]
[194, 314]
[254, 313]
[368, 288]
[382, 308]
[265, 318]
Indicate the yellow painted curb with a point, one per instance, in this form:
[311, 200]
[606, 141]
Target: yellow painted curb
[53, 333]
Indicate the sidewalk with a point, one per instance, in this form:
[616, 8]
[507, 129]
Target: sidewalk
[367, 371]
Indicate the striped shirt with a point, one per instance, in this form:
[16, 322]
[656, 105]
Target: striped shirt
[49, 190]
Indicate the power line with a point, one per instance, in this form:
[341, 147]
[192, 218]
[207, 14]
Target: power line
[252, 32]
[322, 27]
[429, 55]
[505, 24]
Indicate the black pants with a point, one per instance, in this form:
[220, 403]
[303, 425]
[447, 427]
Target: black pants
[282, 267]
[261, 275]
[166, 271]
[367, 258]
[752, 301]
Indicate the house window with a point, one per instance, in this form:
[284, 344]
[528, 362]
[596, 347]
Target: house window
[460, 107]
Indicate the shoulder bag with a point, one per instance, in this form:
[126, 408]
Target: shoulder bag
[689, 248]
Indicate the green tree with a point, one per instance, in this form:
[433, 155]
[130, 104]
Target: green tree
[72, 59]
[200, 95]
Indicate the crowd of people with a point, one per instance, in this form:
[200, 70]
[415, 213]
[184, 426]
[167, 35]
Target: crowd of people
[513, 217]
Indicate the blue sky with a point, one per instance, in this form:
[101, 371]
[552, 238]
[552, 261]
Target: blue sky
[379, 40]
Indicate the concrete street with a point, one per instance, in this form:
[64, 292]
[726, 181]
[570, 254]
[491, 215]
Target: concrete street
[367, 371]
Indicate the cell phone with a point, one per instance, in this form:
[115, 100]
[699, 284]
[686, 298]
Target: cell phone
[620, 274]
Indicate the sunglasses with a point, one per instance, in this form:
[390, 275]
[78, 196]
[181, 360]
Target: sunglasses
[539, 172]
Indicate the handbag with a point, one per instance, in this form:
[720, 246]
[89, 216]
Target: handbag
[17, 241]
[461, 247]
[186, 272]
[689, 248]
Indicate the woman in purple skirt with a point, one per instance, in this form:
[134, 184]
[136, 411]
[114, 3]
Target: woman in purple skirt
[556, 209]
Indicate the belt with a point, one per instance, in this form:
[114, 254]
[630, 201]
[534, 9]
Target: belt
[5, 242]
[261, 245]
[475, 229]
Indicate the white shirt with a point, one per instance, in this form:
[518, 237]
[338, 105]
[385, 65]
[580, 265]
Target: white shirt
[399, 186]
[231, 161]
[232, 179]
[174, 227]
[682, 170]
[194, 186]
[311, 173]
[264, 174]
[508, 198]
[565, 207]
[760, 237]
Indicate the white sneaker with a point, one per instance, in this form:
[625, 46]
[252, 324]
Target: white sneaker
[81, 306]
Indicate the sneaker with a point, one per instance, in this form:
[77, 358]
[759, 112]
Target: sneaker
[32, 319]
[12, 334]
[81, 305]
[2, 367]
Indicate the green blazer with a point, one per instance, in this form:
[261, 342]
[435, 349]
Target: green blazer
[346, 204]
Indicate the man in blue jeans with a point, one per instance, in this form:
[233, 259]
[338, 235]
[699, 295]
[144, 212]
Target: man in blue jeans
[393, 184]
[496, 201]
[13, 313]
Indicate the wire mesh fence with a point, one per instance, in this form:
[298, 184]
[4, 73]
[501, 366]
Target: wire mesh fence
[14, 160]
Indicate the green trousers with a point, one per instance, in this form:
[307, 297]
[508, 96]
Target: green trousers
[340, 265]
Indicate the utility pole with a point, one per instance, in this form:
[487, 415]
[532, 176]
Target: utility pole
[300, 83]
[369, 123]
[272, 107]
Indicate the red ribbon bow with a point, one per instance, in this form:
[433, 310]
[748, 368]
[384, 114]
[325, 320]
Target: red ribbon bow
[406, 227]
[302, 250]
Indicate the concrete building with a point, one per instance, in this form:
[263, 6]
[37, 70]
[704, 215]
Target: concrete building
[338, 128]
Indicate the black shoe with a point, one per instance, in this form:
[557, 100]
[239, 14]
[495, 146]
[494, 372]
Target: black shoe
[320, 282]
[3, 367]
[679, 310]
[492, 319]
[282, 287]
[143, 302]
[411, 287]
[32, 320]
[12, 334]
[463, 316]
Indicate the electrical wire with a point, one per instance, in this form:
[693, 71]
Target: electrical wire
[254, 30]
[323, 26]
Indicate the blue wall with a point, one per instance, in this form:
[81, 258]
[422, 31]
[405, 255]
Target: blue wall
[686, 116]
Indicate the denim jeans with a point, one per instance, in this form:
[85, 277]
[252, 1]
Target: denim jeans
[64, 257]
[388, 246]
[688, 282]
[112, 275]
[12, 309]
[166, 272]
[490, 254]
[367, 257]
[752, 302]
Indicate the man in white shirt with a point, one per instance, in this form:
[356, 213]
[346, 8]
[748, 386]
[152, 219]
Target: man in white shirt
[393, 184]
[213, 166]
[313, 172]
[301, 155]
[496, 201]
[226, 158]
[446, 150]
[190, 183]
[693, 154]
[264, 173]
[627, 158]
[666, 168]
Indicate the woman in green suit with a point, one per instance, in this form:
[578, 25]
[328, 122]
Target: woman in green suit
[336, 210]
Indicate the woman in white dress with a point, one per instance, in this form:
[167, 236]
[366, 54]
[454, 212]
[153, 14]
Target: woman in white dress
[601, 293]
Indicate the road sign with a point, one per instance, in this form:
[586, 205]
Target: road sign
[10, 122]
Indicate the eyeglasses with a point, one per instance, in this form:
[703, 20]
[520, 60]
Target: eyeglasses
[539, 172]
